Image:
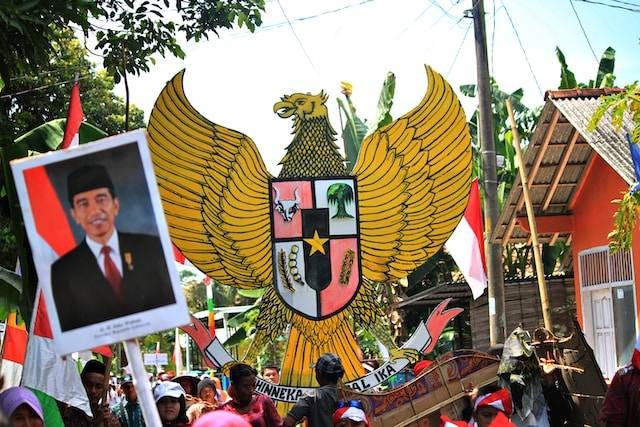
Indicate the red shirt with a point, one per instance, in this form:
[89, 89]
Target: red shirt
[262, 412]
[622, 401]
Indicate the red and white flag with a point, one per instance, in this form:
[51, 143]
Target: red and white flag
[466, 244]
[14, 346]
[75, 116]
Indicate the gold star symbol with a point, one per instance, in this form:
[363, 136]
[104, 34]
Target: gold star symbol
[316, 243]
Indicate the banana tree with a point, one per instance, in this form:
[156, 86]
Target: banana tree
[604, 76]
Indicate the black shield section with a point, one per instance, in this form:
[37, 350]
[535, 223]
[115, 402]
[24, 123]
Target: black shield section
[318, 265]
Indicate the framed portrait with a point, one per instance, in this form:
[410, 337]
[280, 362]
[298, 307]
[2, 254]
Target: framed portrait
[100, 243]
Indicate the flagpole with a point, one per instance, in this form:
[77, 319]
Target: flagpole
[141, 383]
[542, 286]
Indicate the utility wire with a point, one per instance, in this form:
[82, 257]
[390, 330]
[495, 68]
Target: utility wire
[493, 35]
[455, 58]
[35, 89]
[404, 30]
[611, 5]
[626, 2]
[522, 48]
[595, 57]
[297, 38]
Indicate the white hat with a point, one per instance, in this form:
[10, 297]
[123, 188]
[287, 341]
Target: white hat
[168, 388]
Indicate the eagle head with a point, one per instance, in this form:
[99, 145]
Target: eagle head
[303, 106]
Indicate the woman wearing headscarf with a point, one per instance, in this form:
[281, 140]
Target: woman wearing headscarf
[172, 407]
[257, 409]
[21, 407]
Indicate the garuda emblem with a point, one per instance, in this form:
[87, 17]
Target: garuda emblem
[318, 238]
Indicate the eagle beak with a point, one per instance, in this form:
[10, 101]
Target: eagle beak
[284, 109]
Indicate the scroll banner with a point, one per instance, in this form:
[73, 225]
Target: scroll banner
[423, 340]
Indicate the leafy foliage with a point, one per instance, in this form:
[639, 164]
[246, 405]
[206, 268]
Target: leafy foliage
[526, 119]
[101, 107]
[604, 77]
[626, 217]
[619, 104]
[127, 32]
[625, 220]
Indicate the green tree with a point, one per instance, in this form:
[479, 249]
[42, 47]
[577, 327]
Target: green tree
[102, 108]
[340, 194]
[128, 33]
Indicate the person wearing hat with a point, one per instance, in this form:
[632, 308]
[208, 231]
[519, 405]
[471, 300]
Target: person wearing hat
[128, 411]
[319, 405]
[172, 407]
[350, 415]
[21, 407]
[111, 273]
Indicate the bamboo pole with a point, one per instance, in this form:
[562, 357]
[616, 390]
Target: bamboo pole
[542, 286]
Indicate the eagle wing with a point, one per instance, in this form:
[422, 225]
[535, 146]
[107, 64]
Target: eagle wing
[215, 192]
[413, 182]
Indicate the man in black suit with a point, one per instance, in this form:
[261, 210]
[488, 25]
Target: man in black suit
[111, 273]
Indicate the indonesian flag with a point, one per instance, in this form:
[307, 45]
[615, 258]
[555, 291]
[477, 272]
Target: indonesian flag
[74, 119]
[14, 348]
[466, 244]
[635, 359]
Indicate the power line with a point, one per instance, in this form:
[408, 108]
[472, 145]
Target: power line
[493, 35]
[404, 30]
[455, 58]
[35, 89]
[583, 31]
[626, 2]
[297, 38]
[612, 5]
[522, 48]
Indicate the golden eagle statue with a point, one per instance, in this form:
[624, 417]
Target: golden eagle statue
[318, 238]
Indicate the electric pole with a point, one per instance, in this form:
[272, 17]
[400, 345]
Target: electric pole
[497, 321]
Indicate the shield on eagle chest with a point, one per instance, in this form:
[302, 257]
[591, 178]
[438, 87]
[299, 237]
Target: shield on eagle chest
[315, 246]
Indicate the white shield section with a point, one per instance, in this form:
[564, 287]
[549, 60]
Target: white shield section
[338, 226]
[300, 297]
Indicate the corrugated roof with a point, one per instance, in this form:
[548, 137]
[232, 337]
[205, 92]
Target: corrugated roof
[556, 158]
[610, 144]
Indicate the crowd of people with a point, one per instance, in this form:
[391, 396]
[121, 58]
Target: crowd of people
[189, 401]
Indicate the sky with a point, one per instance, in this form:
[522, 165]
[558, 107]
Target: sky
[308, 46]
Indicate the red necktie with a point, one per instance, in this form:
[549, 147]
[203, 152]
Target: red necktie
[111, 272]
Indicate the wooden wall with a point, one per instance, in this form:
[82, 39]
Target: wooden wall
[522, 307]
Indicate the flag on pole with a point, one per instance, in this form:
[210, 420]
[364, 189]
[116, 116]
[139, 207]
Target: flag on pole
[74, 119]
[47, 374]
[177, 353]
[14, 347]
[466, 244]
[208, 283]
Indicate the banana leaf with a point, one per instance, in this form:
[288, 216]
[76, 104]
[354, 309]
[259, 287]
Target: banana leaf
[385, 102]
[567, 78]
[605, 76]
[353, 132]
